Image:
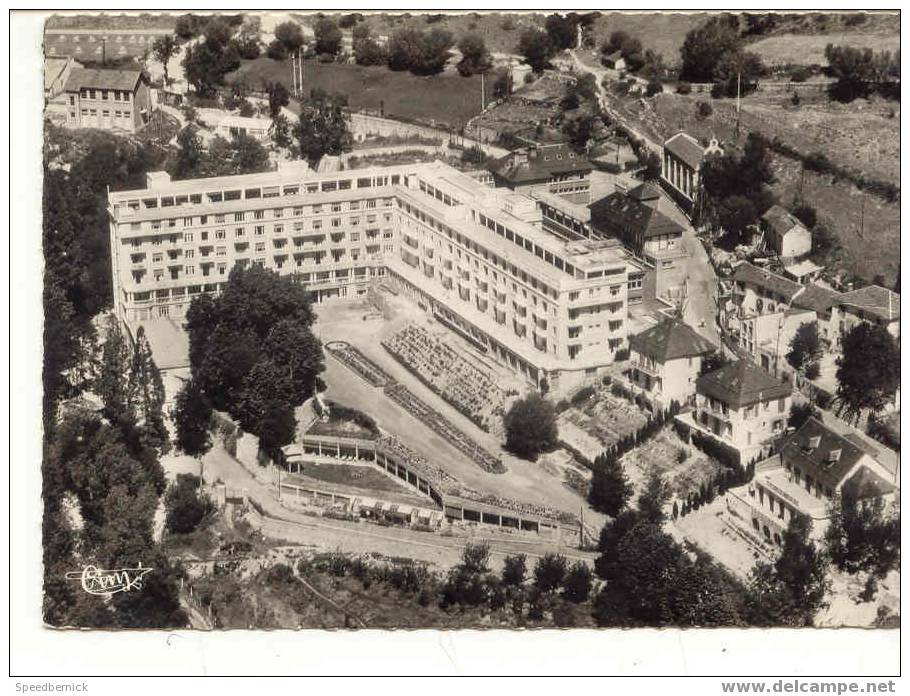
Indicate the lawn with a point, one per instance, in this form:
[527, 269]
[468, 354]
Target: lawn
[447, 99]
[800, 49]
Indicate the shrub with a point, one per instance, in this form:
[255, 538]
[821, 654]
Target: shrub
[550, 572]
[582, 395]
[277, 50]
[576, 587]
[654, 87]
[799, 74]
[683, 88]
[703, 109]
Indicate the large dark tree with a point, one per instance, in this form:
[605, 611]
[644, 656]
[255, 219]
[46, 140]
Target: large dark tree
[252, 351]
[530, 426]
[185, 506]
[868, 370]
[805, 349]
[328, 37]
[537, 48]
[322, 130]
[562, 30]
[654, 497]
[290, 35]
[863, 535]
[550, 571]
[164, 49]
[192, 416]
[610, 489]
[705, 46]
[475, 57]
[790, 591]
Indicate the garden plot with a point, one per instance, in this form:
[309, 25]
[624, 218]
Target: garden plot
[682, 466]
[599, 423]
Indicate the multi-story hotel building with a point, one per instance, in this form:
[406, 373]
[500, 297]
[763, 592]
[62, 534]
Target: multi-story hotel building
[478, 258]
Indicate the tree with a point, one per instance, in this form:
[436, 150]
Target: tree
[218, 31]
[113, 384]
[562, 31]
[805, 348]
[423, 53]
[705, 46]
[280, 131]
[242, 351]
[792, 590]
[530, 426]
[290, 35]
[799, 414]
[502, 85]
[147, 387]
[192, 414]
[863, 535]
[578, 130]
[514, 569]
[475, 558]
[735, 214]
[322, 130]
[276, 50]
[610, 489]
[368, 51]
[652, 582]
[860, 71]
[278, 97]
[536, 47]
[653, 498]
[806, 214]
[190, 154]
[549, 572]
[738, 71]
[185, 508]
[577, 584]
[205, 64]
[475, 57]
[328, 37]
[868, 370]
[164, 49]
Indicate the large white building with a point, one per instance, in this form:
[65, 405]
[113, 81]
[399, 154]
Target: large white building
[477, 258]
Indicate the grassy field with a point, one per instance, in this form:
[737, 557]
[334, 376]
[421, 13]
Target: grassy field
[499, 31]
[446, 99]
[800, 49]
[862, 136]
[663, 32]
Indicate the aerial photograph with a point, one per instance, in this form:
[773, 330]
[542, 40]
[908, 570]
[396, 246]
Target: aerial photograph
[470, 320]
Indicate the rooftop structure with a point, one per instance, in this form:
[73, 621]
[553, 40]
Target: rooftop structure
[742, 383]
[118, 100]
[557, 169]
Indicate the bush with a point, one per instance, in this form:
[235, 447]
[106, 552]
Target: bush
[703, 109]
[582, 395]
[184, 505]
[683, 88]
[277, 50]
[654, 87]
[550, 572]
[576, 586]
[799, 74]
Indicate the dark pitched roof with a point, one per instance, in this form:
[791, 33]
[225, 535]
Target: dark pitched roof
[621, 215]
[818, 299]
[539, 163]
[669, 340]
[865, 483]
[780, 220]
[747, 273]
[825, 455]
[686, 148]
[124, 80]
[876, 300]
[742, 383]
[615, 56]
[644, 192]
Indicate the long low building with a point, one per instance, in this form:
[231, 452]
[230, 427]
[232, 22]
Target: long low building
[478, 258]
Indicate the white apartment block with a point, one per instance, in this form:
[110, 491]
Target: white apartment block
[478, 258]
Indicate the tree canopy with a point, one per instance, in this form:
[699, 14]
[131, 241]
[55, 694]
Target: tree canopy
[252, 351]
[705, 46]
[530, 426]
[322, 129]
[537, 48]
[868, 370]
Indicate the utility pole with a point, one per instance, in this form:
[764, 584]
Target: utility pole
[103, 50]
[738, 76]
[294, 73]
[483, 96]
[862, 216]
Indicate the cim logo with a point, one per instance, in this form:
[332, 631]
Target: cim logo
[98, 581]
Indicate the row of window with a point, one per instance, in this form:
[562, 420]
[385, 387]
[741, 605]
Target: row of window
[113, 95]
[105, 113]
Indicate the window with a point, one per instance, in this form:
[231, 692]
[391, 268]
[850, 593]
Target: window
[189, 270]
[219, 218]
[189, 253]
[258, 230]
[258, 214]
[106, 113]
[238, 232]
[220, 234]
[187, 236]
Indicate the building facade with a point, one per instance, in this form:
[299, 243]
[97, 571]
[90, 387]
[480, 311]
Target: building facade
[477, 258]
[680, 172]
[116, 100]
[741, 406]
[785, 235]
[814, 467]
[666, 361]
[555, 169]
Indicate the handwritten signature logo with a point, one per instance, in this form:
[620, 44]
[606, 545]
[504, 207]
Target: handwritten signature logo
[98, 581]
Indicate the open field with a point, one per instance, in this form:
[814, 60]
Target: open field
[663, 32]
[499, 31]
[800, 49]
[599, 422]
[875, 250]
[447, 99]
